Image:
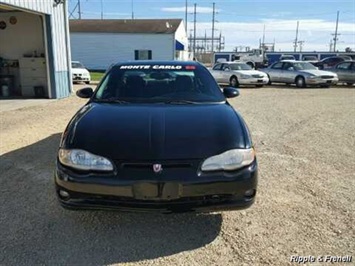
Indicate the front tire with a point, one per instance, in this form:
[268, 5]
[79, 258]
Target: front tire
[233, 82]
[300, 82]
[269, 82]
[259, 86]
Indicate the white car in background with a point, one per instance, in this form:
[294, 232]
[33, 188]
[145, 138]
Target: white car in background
[238, 73]
[80, 73]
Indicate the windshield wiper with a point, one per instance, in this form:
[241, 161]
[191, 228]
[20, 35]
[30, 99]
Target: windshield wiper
[111, 100]
[180, 102]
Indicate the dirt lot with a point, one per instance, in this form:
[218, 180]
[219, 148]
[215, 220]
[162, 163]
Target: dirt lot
[305, 205]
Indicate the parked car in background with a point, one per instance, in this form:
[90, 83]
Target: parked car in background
[80, 73]
[287, 57]
[152, 142]
[238, 73]
[310, 59]
[300, 73]
[330, 62]
[345, 71]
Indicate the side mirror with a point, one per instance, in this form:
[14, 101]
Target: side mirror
[85, 92]
[230, 92]
[227, 69]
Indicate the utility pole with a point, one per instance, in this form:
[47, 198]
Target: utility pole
[336, 33]
[132, 10]
[296, 39]
[300, 44]
[194, 43]
[263, 43]
[186, 16]
[213, 21]
[102, 10]
[331, 45]
[79, 9]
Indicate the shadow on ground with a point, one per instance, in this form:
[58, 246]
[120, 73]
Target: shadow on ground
[35, 230]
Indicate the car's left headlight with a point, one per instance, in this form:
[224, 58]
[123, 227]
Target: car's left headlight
[245, 76]
[313, 77]
[229, 160]
[83, 160]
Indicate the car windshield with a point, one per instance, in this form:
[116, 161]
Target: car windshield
[77, 65]
[303, 66]
[239, 67]
[159, 84]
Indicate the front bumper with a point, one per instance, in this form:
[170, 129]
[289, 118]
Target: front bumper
[168, 192]
[254, 81]
[77, 78]
[322, 81]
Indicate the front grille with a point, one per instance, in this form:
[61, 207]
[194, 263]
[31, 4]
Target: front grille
[150, 165]
[257, 76]
[326, 77]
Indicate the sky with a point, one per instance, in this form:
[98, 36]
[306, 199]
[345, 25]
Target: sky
[242, 22]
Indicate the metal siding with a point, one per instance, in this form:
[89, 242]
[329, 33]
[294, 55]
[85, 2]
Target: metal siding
[56, 41]
[43, 6]
[100, 50]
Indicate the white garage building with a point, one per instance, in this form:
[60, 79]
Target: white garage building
[100, 43]
[34, 49]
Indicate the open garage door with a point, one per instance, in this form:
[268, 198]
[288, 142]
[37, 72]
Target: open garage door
[24, 68]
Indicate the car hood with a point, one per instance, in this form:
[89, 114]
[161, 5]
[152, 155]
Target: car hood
[249, 72]
[317, 72]
[156, 131]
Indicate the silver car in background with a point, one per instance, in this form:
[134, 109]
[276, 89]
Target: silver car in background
[345, 71]
[238, 73]
[300, 73]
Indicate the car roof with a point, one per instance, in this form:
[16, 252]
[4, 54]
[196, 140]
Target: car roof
[158, 62]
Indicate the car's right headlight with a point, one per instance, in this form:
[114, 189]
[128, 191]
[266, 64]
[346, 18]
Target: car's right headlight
[229, 160]
[83, 160]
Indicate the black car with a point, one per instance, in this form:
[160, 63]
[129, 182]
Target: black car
[164, 139]
[330, 62]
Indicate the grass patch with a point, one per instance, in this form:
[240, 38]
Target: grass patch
[96, 76]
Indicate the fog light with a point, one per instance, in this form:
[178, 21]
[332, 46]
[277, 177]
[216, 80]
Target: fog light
[63, 194]
[250, 193]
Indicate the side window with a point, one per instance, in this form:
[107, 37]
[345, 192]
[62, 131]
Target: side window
[217, 67]
[225, 66]
[277, 65]
[344, 66]
[142, 54]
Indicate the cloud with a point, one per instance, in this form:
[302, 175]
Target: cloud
[190, 9]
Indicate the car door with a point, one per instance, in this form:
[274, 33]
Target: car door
[343, 71]
[216, 72]
[225, 73]
[274, 72]
[288, 73]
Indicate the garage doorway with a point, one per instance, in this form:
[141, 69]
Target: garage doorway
[24, 64]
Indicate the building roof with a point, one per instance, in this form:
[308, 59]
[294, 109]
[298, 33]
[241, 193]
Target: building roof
[156, 26]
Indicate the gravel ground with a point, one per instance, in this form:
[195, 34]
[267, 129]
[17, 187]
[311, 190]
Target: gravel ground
[305, 205]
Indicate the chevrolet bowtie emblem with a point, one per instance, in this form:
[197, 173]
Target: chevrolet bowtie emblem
[157, 168]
